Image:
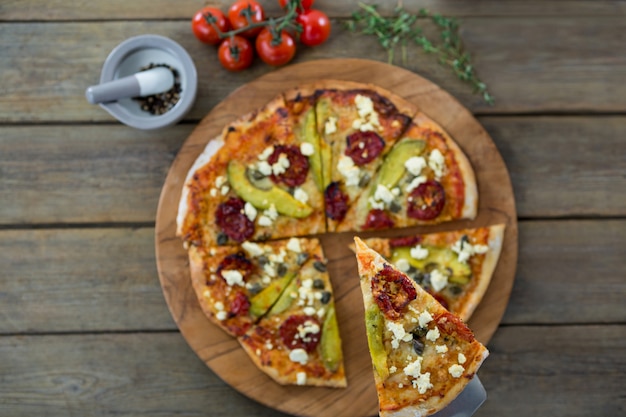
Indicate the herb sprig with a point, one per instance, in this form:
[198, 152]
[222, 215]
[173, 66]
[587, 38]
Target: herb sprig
[403, 28]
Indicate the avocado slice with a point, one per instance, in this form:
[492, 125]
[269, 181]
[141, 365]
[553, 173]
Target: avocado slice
[331, 341]
[320, 158]
[322, 111]
[392, 170]
[285, 300]
[444, 258]
[263, 301]
[263, 199]
[374, 326]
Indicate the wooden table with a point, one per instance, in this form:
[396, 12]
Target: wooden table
[84, 328]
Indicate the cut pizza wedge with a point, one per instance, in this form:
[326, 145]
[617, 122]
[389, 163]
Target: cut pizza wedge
[297, 342]
[237, 285]
[454, 267]
[254, 182]
[358, 124]
[425, 179]
[423, 355]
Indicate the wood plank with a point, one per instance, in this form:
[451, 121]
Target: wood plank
[530, 64]
[54, 10]
[80, 280]
[68, 280]
[102, 173]
[558, 371]
[564, 166]
[570, 272]
[79, 174]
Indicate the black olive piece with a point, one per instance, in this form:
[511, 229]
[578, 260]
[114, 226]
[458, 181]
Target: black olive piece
[262, 260]
[320, 266]
[255, 288]
[318, 284]
[455, 289]
[281, 270]
[302, 258]
[365, 179]
[325, 297]
[395, 207]
[419, 332]
[412, 270]
[418, 346]
[417, 276]
[222, 239]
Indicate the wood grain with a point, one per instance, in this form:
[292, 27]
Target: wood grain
[542, 371]
[221, 352]
[41, 86]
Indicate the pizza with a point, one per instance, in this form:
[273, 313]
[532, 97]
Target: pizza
[298, 341]
[425, 179]
[454, 267]
[423, 356]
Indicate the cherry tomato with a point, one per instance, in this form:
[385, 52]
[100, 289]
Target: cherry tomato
[204, 31]
[278, 54]
[315, 27]
[235, 53]
[304, 4]
[244, 12]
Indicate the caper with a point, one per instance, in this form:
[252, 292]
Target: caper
[455, 289]
[325, 297]
[320, 266]
[302, 258]
[395, 207]
[418, 346]
[365, 179]
[222, 239]
[255, 288]
[281, 270]
[262, 260]
[318, 284]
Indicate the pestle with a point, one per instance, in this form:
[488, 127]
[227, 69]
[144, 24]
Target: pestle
[144, 83]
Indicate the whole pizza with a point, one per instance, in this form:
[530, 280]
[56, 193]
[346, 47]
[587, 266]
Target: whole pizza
[331, 156]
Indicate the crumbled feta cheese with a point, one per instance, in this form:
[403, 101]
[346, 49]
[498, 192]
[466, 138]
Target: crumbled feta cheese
[424, 318]
[307, 149]
[351, 172]
[441, 348]
[219, 181]
[294, 245]
[271, 212]
[399, 334]
[278, 257]
[379, 205]
[309, 311]
[423, 383]
[280, 166]
[364, 105]
[330, 126]
[299, 356]
[480, 249]
[233, 277]
[465, 250]
[308, 328]
[250, 211]
[456, 370]
[264, 168]
[301, 378]
[415, 182]
[438, 280]
[266, 153]
[321, 311]
[414, 369]
[253, 249]
[462, 359]
[206, 294]
[418, 252]
[392, 369]
[224, 190]
[382, 193]
[219, 306]
[221, 315]
[269, 269]
[265, 221]
[437, 163]
[213, 192]
[300, 195]
[433, 334]
[266, 280]
[415, 164]
[403, 265]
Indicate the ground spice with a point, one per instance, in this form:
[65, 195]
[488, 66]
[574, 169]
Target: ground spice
[158, 104]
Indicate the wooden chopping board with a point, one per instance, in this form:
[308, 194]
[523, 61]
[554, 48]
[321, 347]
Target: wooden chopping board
[221, 352]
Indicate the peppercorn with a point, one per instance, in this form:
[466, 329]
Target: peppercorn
[158, 104]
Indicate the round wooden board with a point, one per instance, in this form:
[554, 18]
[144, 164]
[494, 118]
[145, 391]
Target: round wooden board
[221, 352]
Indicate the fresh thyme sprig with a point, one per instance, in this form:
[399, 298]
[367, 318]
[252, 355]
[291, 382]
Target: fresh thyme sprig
[402, 28]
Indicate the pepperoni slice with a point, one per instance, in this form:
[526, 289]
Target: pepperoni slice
[377, 219]
[392, 291]
[448, 323]
[399, 242]
[336, 202]
[364, 147]
[426, 201]
[300, 331]
[298, 169]
[230, 217]
[236, 261]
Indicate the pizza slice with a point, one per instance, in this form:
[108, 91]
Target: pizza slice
[254, 182]
[237, 285]
[297, 342]
[425, 179]
[358, 124]
[454, 267]
[423, 355]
